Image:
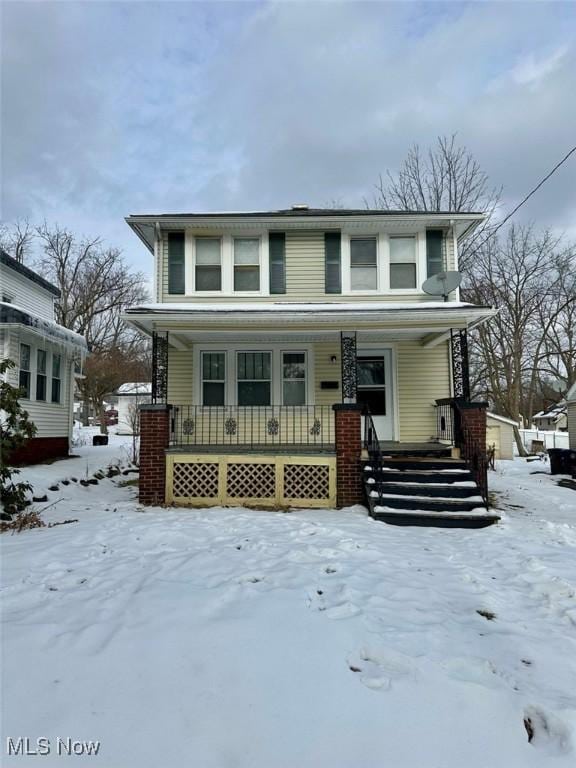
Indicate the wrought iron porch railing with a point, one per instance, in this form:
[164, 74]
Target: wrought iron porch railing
[253, 426]
[445, 420]
[453, 428]
[371, 442]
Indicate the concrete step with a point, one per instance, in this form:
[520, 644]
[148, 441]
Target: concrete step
[428, 503]
[442, 490]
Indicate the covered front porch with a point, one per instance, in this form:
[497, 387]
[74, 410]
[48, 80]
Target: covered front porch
[253, 411]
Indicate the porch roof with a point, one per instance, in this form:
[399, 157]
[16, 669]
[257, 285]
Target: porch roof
[419, 319]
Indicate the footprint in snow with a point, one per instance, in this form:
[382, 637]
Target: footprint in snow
[546, 731]
[334, 605]
[379, 668]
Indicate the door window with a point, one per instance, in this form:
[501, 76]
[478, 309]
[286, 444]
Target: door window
[372, 384]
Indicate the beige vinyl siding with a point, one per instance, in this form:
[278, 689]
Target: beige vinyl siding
[180, 381]
[325, 370]
[423, 377]
[449, 251]
[304, 275]
[305, 265]
[571, 411]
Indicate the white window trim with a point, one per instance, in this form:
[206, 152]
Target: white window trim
[231, 398]
[227, 263]
[383, 263]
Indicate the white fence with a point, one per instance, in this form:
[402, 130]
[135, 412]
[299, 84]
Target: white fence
[549, 438]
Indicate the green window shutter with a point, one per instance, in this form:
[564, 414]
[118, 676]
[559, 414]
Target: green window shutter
[277, 259]
[332, 276]
[434, 260]
[176, 280]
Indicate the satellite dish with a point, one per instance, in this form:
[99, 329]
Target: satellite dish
[442, 284]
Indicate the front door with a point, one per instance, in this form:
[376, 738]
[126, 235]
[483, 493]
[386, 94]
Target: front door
[375, 390]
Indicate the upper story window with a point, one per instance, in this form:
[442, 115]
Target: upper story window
[208, 275]
[402, 262]
[363, 264]
[24, 375]
[246, 264]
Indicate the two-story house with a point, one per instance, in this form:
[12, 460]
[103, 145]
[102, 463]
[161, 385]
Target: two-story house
[274, 330]
[46, 355]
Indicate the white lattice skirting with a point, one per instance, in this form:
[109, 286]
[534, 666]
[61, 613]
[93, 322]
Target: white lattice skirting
[270, 481]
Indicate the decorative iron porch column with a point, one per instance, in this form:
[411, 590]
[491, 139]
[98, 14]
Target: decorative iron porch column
[460, 369]
[349, 366]
[160, 367]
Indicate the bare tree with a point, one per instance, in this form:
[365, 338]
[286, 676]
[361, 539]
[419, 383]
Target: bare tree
[96, 286]
[17, 239]
[526, 277]
[445, 177]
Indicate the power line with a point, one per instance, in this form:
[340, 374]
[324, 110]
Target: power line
[528, 196]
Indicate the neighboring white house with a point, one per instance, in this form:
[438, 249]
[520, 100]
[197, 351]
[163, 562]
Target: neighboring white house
[130, 396]
[571, 415]
[500, 434]
[47, 357]
[553, 419]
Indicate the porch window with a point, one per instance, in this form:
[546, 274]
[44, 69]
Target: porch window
[24, 376]
[208, 264]
[254, 378]
[294, 378]
[56, 372]
[363, 264]
[246, 264]
[40, 374]
[402, 262]
[213, 378]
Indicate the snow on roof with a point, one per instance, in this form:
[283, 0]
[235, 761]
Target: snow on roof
[554, 413]
[12, 313]
[503, 419]
[135, 388]
[305, 307]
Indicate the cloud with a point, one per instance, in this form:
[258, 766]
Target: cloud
[116, 108]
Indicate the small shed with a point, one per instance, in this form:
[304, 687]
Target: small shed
[500, 434]
[130, 396]
[571, 414]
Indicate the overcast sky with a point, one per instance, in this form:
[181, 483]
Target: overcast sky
[149, 107]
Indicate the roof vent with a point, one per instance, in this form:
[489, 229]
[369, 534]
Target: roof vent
[300, 207]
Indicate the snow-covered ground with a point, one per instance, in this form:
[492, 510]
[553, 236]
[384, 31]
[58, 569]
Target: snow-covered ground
[231, 638]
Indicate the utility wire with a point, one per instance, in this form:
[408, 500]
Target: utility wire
[528, 196]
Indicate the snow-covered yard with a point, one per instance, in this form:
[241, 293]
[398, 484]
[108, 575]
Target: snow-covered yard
[249, 639]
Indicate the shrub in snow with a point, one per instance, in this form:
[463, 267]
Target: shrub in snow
[15, 429]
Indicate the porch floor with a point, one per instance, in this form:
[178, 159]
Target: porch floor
[281, 449]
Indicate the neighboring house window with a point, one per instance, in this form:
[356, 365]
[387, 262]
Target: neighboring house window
[402, 262]
[213, 378]
[246, 264]
[294, 378]
[24, 378]
[363, 264]
[56, 383]
[208, 264]
[40, 374]
[7, 299]
[254, 378]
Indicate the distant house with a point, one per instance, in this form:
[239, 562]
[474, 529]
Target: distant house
[571, 415]
[47, 357]
[500, 435]
[554, 419]
[130, 396]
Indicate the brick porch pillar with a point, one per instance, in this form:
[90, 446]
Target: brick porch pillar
[348, 450]
[473, 418]
[154, 439]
